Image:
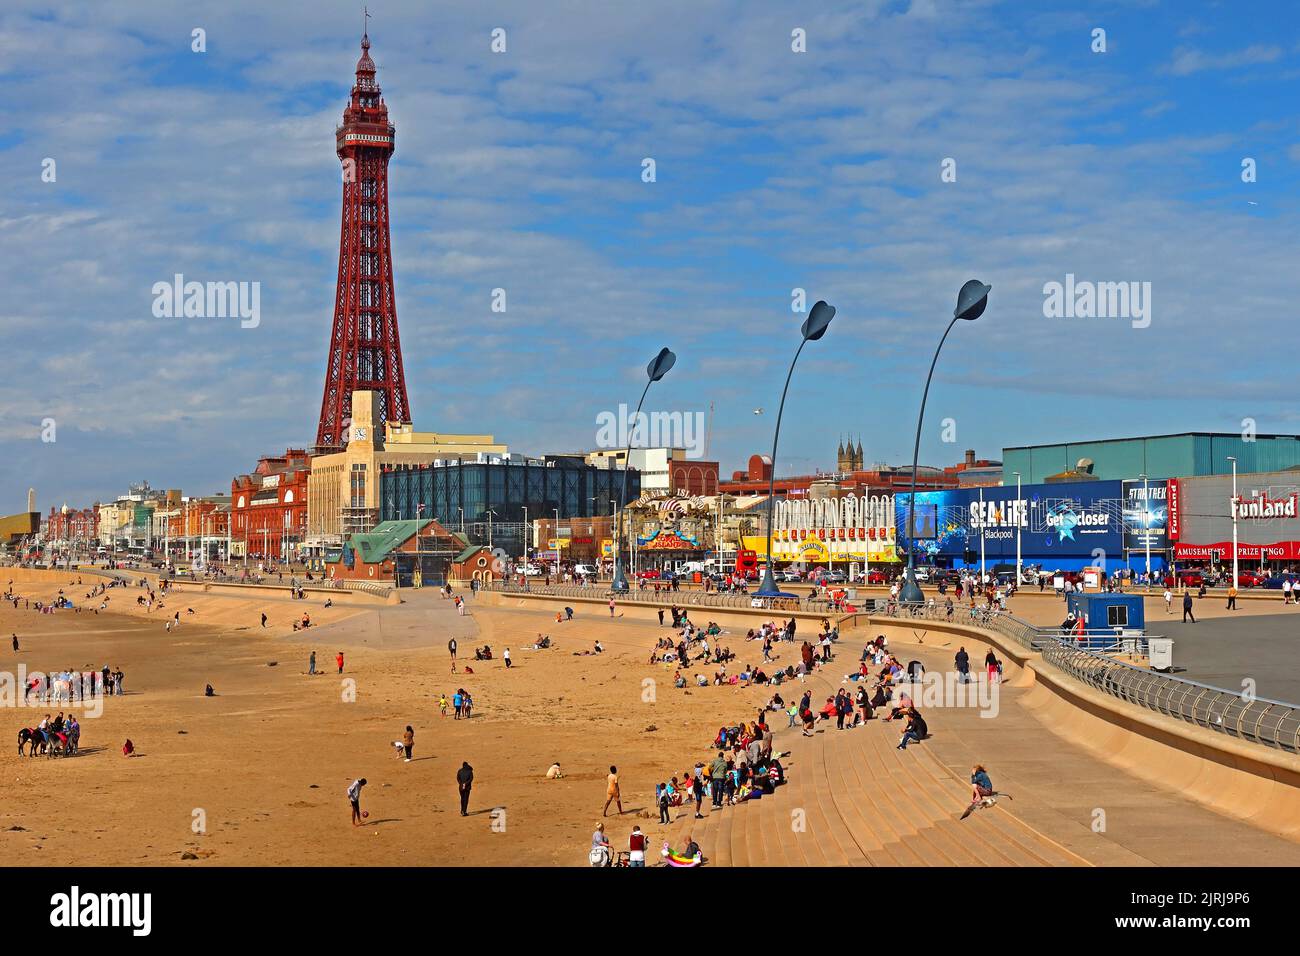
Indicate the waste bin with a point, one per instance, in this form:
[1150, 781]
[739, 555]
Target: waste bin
[1161, 650]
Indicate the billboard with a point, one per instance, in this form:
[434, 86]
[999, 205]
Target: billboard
[1146, 519]
[1066, 520]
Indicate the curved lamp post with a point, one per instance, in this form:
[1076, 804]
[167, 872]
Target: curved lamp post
[814, 327]
[656, 370]
[971, 300]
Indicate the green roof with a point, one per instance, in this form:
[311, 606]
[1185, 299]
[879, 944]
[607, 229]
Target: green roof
[375, 546]
[467, 553]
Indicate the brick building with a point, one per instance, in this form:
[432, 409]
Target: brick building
[268, 508]
[68, 525]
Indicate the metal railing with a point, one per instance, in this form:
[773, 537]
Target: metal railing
[1258, 720]
[663, 598]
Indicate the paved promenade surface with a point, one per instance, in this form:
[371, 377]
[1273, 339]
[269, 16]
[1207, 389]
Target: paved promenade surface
[864, 803]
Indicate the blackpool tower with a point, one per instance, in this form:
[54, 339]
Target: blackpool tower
[365, 351]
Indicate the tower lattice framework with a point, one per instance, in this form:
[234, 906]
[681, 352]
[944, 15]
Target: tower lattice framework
[365, 349]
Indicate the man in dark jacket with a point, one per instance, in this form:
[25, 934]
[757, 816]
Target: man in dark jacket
[1187, 606]
[465, 782]
[963, 665]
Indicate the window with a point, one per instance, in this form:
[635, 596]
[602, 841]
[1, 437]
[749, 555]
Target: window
[358, 485]
[1117, 615]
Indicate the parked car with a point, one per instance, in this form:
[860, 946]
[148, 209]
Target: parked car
[649, 574]
[586, 570]
[832, 577]
[1274, 582]
[1249, 579]
[789, 574]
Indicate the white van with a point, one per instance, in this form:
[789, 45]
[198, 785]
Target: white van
[585, 570]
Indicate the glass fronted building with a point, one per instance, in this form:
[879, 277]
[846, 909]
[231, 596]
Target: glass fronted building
[460, 495]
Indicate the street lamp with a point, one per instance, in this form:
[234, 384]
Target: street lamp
[1233, 503]
[971, 301]
[1018, 514]
[814, 327]
[1146, 524]
[656, 370]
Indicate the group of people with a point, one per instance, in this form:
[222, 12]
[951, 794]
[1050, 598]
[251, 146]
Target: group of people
[56, 731]
[462, 704]
[72, 685]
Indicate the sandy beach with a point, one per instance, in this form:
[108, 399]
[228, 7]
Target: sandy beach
[264, 765]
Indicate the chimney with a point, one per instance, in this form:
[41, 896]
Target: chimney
[970, 457]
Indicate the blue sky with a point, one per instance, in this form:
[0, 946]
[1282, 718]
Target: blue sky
[775, 170]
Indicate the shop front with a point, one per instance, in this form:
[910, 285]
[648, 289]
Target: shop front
[1266, 509]
[831, 532]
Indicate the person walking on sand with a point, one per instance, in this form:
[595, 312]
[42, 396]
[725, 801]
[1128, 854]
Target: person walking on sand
[339, 660]
[1187, 606]
[451, 646]
[612, 792]
[611, 607]
[464, 783]
[442, 704]
[263, 619]
[408, 742]
[354, 798]
[661, 618]
[505, 656]
[661, 614]
[311, 663]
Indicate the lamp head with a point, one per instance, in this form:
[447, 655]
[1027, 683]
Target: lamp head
[660, 365]
[971, 300]
[819, 319]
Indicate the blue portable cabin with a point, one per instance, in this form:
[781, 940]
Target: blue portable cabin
[1108, 613]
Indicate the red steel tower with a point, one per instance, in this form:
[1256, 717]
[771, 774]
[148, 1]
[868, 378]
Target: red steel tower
[365, 352]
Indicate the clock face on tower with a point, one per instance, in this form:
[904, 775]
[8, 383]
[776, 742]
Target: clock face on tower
[359, 434]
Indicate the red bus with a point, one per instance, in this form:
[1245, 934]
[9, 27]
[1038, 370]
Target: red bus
[746, 564]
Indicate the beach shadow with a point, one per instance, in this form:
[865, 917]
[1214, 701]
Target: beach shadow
[476, 813]
[375, 823]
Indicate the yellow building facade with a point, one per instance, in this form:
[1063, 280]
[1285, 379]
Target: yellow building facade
[343, 488]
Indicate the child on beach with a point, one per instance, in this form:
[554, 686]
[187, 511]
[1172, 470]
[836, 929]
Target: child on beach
[442, 704]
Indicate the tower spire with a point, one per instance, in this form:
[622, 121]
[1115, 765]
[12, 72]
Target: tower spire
[365, 351]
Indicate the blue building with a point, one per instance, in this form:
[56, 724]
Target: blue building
[1063, 526]
[460, 494]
